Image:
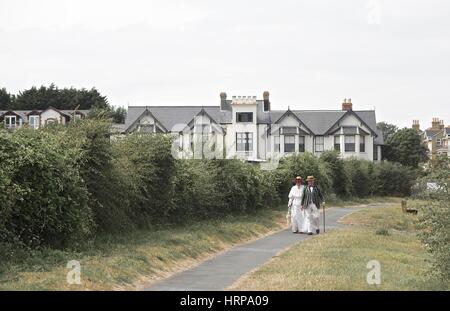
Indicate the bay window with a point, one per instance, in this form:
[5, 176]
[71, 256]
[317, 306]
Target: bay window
[289, 143]
[349, 143]
[301, 144]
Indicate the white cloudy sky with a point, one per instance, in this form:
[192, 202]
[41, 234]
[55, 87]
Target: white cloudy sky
[310, 54]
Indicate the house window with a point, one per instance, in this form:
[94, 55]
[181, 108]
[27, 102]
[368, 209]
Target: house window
[277, 143]
[33, 121]
[10, 121]
[439, 142]
[301, 144]
[375, 152]
[244, 117]
[147, 128]
[349, 143]
[362, 143]
[50, 121]
[319, 144]
[244, 141]
[289, 143]
[337, 143]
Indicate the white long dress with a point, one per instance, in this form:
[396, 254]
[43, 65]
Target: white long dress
[295, 208]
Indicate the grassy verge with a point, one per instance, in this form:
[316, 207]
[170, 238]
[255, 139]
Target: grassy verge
[337, 260]
[338, 202]
[129, 261]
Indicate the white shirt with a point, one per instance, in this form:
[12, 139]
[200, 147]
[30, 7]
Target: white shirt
[295, 195]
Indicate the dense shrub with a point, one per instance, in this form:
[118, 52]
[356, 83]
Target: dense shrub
[43, 197]
[434, 221]
[302, 165]
[341, 181]
[394, 179]
[150, 167]
[362, 177]
[59, 185]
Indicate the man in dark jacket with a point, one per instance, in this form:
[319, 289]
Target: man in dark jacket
[311, 200]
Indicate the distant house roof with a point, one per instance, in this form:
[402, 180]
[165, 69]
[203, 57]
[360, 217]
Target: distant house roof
[430, 133]
[25, 113]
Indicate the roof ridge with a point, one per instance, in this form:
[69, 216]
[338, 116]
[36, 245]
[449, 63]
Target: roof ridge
[177, 106]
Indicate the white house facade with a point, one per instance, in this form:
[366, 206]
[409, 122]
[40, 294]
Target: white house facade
[245, 127]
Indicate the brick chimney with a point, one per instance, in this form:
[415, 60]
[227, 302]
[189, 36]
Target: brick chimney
[416, 125]
[347, 104]
[266, 97]
[223, 101]
[441, 125]
[435, 124]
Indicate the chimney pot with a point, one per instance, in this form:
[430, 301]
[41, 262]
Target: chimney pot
[347, 105]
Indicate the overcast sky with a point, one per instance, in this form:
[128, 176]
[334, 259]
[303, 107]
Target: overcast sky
[392, 55]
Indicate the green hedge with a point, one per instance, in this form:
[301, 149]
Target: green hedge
[61, 185]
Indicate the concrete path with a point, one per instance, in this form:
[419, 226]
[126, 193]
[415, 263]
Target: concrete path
[225, 269]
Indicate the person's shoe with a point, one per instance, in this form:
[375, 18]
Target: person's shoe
[294, 232]
[318, 231]
[310, 233]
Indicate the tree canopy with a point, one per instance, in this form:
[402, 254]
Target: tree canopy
[405, 147]
[387, 129]
[64, 99]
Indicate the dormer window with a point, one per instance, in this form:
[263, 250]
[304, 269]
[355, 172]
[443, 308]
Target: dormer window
[244, 117]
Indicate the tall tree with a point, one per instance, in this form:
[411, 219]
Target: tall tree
[64, 99]
[405, 147]
[6, 99]
[387, 129]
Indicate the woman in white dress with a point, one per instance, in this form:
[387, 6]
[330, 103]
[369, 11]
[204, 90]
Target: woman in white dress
[295, 213]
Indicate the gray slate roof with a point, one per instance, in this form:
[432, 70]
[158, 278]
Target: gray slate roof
[169, 116]
[318, 121]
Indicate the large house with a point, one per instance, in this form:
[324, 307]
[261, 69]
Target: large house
[247, 128]
[435, 138]
[13, 119]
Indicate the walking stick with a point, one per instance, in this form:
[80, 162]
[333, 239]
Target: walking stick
[324, 218]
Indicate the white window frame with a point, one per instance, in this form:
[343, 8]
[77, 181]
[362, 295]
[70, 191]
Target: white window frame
[34, 125]
[320, 142]
[289, 140]
[9, 124]
[350, 143]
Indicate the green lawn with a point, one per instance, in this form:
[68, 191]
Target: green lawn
[337, 260]
[129, 261]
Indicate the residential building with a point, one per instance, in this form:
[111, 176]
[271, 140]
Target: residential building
[434, 138]
[247, 128]
[13, 119]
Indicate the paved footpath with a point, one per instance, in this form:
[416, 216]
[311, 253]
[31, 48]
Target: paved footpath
[225, 269]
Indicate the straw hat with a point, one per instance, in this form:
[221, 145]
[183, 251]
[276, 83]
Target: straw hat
[298, 178]
[310, 178]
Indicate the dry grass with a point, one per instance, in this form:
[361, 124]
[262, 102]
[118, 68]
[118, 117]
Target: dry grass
[337, 260]
[126, 262]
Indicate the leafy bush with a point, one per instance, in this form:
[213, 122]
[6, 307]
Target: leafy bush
[341, 181]
[361, 175]
[394, 179]
[434, 221]
[302, 165]
[43, 197]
